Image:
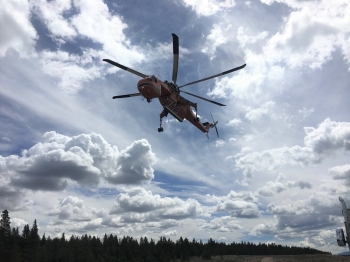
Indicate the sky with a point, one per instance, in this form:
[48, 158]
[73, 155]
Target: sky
[80, 162]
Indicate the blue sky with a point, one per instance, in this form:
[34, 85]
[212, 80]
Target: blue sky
[80, 162]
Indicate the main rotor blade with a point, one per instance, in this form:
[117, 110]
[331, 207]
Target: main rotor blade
[211, 101]
[129, 95]
[125, 68]
[176, 56]
[210, 77]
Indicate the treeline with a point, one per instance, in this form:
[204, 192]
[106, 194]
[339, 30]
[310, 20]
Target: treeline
[29, 246]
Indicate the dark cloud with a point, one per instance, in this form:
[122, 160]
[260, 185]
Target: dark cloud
[51, 164]
[304, 222]
[165, 224]
[40, 183]
[341, 173]
[317, 212]
[13, 199]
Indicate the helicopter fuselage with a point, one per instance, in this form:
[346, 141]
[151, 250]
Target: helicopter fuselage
[168, 93]
[171, 100]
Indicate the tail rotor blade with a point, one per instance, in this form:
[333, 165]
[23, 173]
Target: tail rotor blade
[176, 56]
[214, 124]
[125, 68]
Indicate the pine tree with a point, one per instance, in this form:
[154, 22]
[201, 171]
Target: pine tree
[15, 245]
[34, 241]
[34, 233]
[5, 224]
[25, 243]
[26, 232]
[5, 236]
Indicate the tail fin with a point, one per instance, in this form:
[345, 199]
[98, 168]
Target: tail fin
[211, 125]
[214, 125]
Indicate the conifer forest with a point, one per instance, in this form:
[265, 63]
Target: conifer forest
[27, 245]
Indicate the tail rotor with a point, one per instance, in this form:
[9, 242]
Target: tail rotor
[214, 125]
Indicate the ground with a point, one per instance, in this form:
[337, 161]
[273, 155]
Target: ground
[290, 258]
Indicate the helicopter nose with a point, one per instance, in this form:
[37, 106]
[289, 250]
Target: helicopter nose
[148, 88]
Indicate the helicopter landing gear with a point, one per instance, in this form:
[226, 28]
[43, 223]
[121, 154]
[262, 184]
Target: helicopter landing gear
[149, 100]
[196, 119]
[163, 114]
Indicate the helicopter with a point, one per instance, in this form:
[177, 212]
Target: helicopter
[168, 93]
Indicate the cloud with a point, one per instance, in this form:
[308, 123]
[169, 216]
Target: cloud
[52, 14]
[72, 70]
[83, 227]
[219, 143]
[18, 34]
[18, 222]
[244, 39]
[314, 213]
[163, 225]
[171, 233]
[326, 138]
[272, 159]
[300, 184]
[308, 38]
[305, 112]
[341, 173]
[266, 228]
[278, 186]
[218, 36]
[209, 7]
[13, 199]
[312, 31]
[58, 159]
[69, 22]
[307, 219]
[319, 239]
[240, 205]
[222, 224]
[234, 122]
[134, 164]
[140, 205]
[245, 83]
[271, 188]
[254, 114]
[72, 208]
[139, 200]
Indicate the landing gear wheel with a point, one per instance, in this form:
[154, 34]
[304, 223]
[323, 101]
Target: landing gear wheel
[196, 119]
[160, 129]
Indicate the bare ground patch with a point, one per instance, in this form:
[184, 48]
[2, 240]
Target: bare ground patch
[287, 258]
